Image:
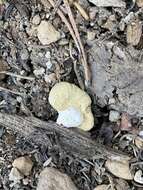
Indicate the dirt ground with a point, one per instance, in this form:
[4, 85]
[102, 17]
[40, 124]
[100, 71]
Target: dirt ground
[109, 68]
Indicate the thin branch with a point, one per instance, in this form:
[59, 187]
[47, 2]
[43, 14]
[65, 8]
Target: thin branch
[72, 141]
[81, 10]
[16, 75]
[11, 91]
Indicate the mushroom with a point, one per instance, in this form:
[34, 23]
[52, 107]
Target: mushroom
[73, 106]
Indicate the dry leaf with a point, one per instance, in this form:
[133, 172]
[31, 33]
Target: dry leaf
[134, 32]
[119, 169]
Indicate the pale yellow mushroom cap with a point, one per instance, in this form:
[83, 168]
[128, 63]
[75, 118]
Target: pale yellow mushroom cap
[65, 95]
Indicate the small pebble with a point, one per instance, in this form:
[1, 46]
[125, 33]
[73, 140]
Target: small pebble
[39, 72]
[90, 35]
[63, 42]
[111, 101]
[48, 55]
[48, 64]
[50, 78]
[114, 116]
[15, 175]
[138, 177]
[36, 20]
[25, 181]
[24, 54]
[23, 164]
[141, 134]
[47, 33]
[47, 15]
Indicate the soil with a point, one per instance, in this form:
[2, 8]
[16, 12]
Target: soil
[29, 69]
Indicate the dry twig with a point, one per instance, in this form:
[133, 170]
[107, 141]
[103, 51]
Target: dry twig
[81, 10]
[11, 91]
[71, 141]
[16, 75]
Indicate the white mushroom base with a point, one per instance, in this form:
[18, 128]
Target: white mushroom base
[70, 117]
